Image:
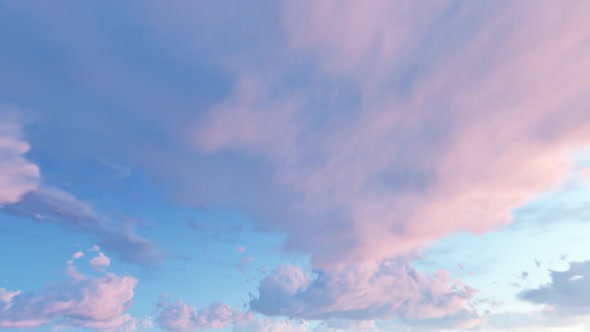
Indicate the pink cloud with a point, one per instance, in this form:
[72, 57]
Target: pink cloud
[18, 176]
[93, 303]
[485, 123]
[180, 316]
[100, 262]
[78, 255]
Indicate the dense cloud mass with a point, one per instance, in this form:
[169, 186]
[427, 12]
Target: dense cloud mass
[455, 148]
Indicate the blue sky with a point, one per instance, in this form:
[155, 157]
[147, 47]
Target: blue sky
[294, 166]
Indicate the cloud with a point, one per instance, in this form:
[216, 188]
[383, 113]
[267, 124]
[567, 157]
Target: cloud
[256, 324]
[538, 320]
[390, 290]
[100, 262]
[48, 204]
[18, 176]
[446, 130]
[567, 293]
[23, 194]
[180, 316]
[347, 325]
[78, 255]
[97, 303]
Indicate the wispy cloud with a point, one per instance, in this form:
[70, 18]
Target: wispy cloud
[24, 195]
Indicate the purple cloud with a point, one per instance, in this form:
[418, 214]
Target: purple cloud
[387, 291]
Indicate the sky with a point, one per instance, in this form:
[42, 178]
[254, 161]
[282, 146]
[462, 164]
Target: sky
[295, 165]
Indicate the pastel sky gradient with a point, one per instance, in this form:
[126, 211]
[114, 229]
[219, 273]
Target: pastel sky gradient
[295, 165]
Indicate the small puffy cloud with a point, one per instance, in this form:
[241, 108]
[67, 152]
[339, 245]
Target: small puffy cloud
[385, 291]
[78, 255]
[100, 262]
[567, 293]
[241, 249]
[18, 176]
[80, 303]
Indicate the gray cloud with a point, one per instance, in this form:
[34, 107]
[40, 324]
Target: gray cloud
[568, 292]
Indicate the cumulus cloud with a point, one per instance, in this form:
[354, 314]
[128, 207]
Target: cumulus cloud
[91, 303]
[538, 320]
[18, 176]
[99, 262]
[387, 291]
[567, 293]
